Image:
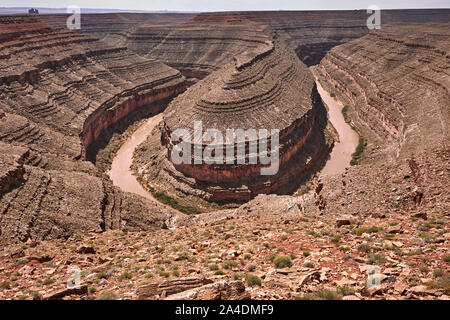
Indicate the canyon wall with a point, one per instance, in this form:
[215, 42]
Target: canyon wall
[205, 42]
[313, 33]
[101, 24]
[195, 50]
[397, 83]
[59, 92]
[267, 88]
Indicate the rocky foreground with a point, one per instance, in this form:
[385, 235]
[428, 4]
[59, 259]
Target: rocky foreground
[322, 245]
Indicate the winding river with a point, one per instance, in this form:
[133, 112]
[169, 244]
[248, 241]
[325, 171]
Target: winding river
[340, 157]
[120, 172]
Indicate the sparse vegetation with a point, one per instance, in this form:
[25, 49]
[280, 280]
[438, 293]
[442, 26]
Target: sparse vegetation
[356, 156]
[321, 295]
[125, 276]
[375, 258]
[282, 261]
[107, 296]
[213, 267]
[170, 201]
[252, 280]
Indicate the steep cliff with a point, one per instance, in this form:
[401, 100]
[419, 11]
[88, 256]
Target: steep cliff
[267, 88]
[397, 84]
[60, 94]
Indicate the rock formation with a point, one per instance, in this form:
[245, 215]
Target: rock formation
[205, 42]
[195, 50]
[100, 25]
[59, 93]
[404, 96]
[313, 33]
[267, 88]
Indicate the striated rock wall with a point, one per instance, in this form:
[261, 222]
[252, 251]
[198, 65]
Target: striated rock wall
[101, 24]
[194, 50]
[60, 92]
[267, 88]
[313, 33]
[396, 81]
[63, 84]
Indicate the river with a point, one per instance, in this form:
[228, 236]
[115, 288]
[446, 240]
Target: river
[341, 155]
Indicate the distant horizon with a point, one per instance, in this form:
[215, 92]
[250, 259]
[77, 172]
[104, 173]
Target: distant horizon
[196, 6]
[118, 10]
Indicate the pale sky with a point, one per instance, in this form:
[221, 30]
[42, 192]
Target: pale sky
[224, 5]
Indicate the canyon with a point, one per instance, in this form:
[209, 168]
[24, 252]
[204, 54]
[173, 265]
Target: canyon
[87, 175]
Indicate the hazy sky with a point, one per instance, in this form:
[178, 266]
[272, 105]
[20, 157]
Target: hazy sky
[220, 5]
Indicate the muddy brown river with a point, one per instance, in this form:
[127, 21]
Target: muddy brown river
[120, 172]
[340, 157]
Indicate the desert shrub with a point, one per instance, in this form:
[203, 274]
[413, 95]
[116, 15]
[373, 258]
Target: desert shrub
[282, 261]
[107, 296]
[125, 276]
[213, 267]
[364, 247]
[437, 273]
[375, 258]
[229, 264]
[321, 295]
[356, 156]
[253, 280]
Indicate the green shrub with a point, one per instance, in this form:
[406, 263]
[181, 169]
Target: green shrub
[321, 295]
[107, 296]
[229, 264]
[253, 280]
[236, 276]
[170, 201]
[219, 273]
[364, 247]
[125, 275]
[437, 273]
[356, 156]
[282, 261]
[345, 291]
[375, 258]
[213, 267]
[306, 253]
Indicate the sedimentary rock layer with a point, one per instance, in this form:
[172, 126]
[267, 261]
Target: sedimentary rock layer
[397, 82]
[194, 50]
[57, 85]
[60, 92]
[267, 88]
[312, 33]
[101, 24]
